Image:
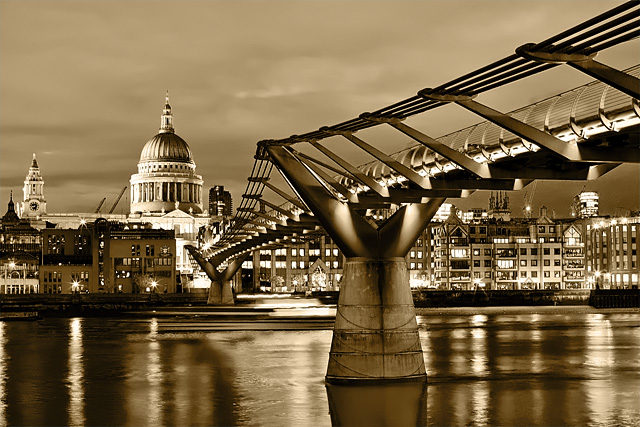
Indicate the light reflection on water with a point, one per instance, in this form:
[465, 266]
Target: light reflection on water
[3, 376]
[76, 374]
[484, 369]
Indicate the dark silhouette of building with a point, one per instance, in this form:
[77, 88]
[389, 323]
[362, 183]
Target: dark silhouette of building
[220, 203]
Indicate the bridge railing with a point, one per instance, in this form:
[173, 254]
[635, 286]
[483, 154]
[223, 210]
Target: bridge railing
[572, 116]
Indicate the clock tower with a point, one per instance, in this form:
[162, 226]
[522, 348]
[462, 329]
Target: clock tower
[33, 204]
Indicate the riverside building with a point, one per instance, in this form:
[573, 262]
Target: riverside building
[105, 257]
[471, 251]
[20, 253]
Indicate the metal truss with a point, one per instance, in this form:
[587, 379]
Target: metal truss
[577, 135]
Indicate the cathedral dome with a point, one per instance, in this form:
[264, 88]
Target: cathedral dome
[166, 178]
[166, 147]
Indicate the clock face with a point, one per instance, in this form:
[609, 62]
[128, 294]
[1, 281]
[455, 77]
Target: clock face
[34, 205]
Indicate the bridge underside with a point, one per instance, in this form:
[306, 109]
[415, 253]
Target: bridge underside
[577, 135]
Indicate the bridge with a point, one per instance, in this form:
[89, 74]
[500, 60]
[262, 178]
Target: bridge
[579, 134]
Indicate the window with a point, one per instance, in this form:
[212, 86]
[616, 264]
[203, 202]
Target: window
[327, 252]
[541, 229]
[556, 274]
[335, 252]
[505, 263]
[556, 251]
[487, 263]
[523, 274]
[476, 263]
[552, 229]
[302, 265]
[294, 252]
[56, 244]
[476, 252]
[150, 250]
[546, 263]
[456, 253]
[487, 252]
[412, 254]
[523, 251]
[534, 263]
[556, 262]
[523, 262]
[534, 274]
[419, 253]
[547, 274]
[534, 251]
[301, 252]
[294, 265]
[335, 264]
[546, 251]
[135, 250]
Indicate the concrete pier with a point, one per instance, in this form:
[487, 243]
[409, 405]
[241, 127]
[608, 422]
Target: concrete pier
[220, 293]
[375, 336]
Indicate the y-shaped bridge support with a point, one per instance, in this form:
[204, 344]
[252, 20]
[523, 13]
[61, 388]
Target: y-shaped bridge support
[221, 290]
[375, 335]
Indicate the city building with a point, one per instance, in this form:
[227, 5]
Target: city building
[220, 203]
[20, 252]
[104, 257]
[585, 205]
[310, 263]
[612, 251]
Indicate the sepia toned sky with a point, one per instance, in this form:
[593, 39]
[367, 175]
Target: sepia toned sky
[82, 83]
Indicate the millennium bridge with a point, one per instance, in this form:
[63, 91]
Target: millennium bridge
[579, 134]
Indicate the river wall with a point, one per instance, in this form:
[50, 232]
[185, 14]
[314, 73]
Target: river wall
[99, 304]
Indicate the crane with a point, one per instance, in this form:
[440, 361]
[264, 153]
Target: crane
[100, 205]
[528, 198]
[118, 199]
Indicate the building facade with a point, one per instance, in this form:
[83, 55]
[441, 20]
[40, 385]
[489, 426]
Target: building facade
[220, 203]
[612, 249]
[105, 257]
[20, 252]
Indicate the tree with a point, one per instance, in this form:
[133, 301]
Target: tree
[141, 282]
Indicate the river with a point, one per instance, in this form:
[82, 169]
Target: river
[509, 366]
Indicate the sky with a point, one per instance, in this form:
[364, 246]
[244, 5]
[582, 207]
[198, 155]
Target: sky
[82, 83]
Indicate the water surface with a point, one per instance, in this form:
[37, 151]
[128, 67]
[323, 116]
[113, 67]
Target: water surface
[492, 367]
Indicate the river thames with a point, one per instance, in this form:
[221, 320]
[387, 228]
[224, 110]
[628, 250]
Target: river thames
[538, 366]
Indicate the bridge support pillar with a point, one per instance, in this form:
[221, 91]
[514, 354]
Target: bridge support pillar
[221, 290]
[220, 293]
[375, 336]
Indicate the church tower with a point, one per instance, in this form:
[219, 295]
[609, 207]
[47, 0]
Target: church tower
[33, 204]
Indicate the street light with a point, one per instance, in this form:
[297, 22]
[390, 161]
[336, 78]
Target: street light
[74, 286]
